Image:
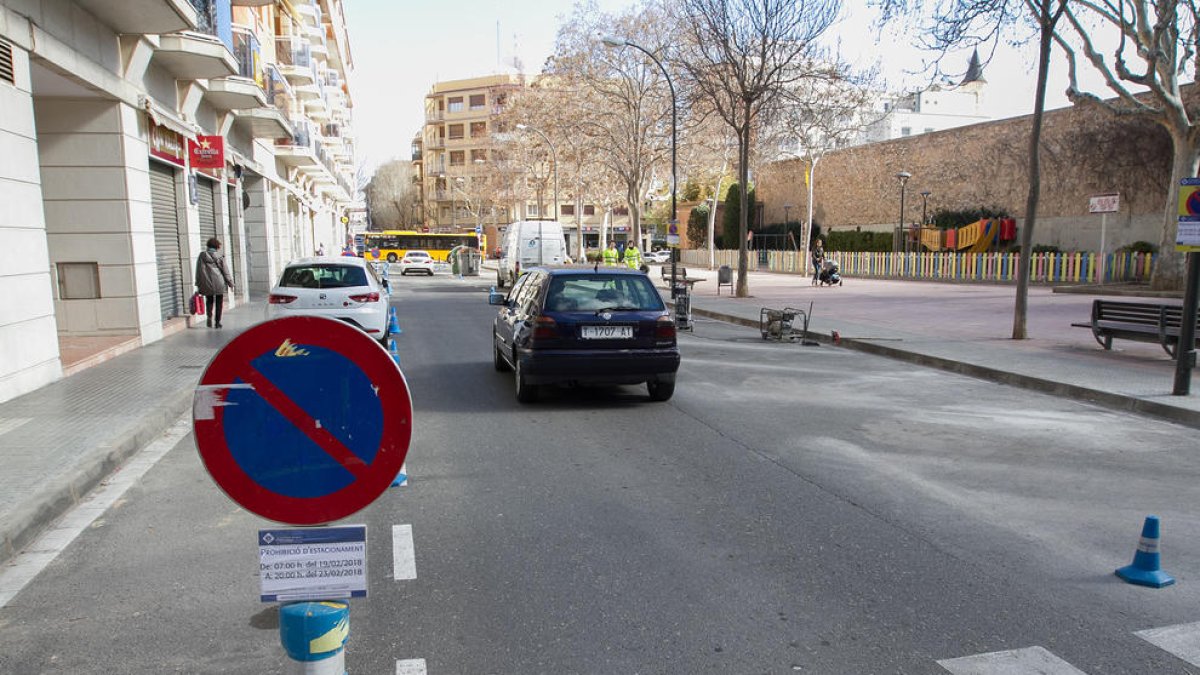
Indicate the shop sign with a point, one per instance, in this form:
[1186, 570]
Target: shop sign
[166, 144]
[207, 152]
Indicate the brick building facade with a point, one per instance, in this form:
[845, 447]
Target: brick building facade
[1085, 152]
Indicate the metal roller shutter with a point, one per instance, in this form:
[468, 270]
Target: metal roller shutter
[166, 240]
[208, 212]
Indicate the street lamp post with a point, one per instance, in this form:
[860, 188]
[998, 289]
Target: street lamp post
[924, 203]
[903, 177]
[786, 219]
[553, 158]
[613, 41]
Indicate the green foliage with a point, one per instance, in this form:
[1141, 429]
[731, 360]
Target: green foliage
[729, 221]
[846, 240]
[1138, 247]
[946, 219]
[693, 191]
[697, 226]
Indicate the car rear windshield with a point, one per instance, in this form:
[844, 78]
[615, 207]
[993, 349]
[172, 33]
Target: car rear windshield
[585, 293]
[323, 276]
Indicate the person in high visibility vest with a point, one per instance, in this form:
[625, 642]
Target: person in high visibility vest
[610, 255]
[633, 257]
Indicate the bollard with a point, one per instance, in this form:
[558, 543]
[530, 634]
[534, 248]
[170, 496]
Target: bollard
[314, 636]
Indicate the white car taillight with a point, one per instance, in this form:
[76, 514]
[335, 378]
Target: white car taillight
[366, 297]
[280, 299]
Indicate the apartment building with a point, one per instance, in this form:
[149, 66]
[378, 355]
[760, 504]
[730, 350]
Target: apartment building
[468, 181]
[131, 131]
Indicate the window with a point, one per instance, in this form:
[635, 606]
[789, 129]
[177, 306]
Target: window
[323, 276]
[567, 209]
[620, 211]
[906, 131]
[478, 129]
[589, 210]
[591, 293]
[456, 131]
[79, 281]
[477, 102]
[532, 209]
[458, 157]
[929, 130]
[478, 156]
[456, 104]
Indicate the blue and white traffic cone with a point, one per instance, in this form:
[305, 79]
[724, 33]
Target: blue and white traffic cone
[1146, 569]
[393, 323]
[314, 636]
[394, 351]
[402, 477]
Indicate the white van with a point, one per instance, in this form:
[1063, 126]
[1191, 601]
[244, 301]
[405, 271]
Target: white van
[529, 243]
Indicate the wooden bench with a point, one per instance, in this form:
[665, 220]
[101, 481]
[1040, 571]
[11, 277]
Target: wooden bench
[680, 272]
[1139, 321]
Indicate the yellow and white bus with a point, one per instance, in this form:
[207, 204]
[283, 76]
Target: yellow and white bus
[391, 245]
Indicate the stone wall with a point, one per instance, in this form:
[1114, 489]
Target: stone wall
[1085, 152]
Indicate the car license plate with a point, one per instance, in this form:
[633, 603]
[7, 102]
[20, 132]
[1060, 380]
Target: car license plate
[606, 332]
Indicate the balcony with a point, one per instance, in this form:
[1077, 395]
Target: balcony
[299, 149]
[294, 58]
[270, 121]
[205, 53]
[246, 90]
[141, 17]
[434, 115]
[309, 12]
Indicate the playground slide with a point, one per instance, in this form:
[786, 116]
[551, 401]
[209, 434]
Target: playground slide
[985, 242]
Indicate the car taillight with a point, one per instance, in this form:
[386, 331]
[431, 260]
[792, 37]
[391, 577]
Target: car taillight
[545, 328]
[365, 297]
[280, 299]
[664, 328]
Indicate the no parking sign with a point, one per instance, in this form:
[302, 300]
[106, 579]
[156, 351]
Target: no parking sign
[303, 420]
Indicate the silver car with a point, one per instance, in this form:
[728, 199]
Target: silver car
[344, 288]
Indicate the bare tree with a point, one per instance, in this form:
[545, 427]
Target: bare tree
[975, 22]
[821, 113]
[392, 195]
[624, 101]
[1157, 47]
[738, 56]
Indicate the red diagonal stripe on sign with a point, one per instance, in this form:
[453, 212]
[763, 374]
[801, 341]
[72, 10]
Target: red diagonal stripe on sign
[293, 413]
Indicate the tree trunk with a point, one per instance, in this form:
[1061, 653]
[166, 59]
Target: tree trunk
[712, 219]
[1020, 309]
[743, 281]
[806, 235]
[1168, 272]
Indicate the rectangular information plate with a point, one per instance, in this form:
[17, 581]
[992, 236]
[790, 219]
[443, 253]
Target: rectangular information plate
[312, 563]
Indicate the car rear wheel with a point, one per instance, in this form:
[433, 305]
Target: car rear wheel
[526, 393]
[661, 391]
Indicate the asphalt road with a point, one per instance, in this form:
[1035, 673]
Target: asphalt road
[791, 509]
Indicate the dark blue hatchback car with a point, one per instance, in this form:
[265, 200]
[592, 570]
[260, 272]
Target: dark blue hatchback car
[585, 326]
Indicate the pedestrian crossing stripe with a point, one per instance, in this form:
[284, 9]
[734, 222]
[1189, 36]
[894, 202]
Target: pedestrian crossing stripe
[1183, 640]
[1027, 661]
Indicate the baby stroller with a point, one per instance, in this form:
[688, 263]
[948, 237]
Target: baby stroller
[829, 275]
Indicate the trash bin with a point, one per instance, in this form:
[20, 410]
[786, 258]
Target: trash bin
[724, 278]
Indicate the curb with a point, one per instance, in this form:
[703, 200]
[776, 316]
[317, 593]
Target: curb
[60, 493]
[1119, 402]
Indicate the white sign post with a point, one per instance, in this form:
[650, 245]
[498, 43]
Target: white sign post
[1104, 205]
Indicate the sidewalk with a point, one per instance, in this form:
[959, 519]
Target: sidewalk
[58, 442]
[967, 328]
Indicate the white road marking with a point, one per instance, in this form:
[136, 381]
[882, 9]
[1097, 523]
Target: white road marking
[1027, 661]
[404, 560]
[1182, 640]
[410, 667]
[30, 562]
[12, 423]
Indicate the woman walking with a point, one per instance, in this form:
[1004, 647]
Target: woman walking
[212, 278]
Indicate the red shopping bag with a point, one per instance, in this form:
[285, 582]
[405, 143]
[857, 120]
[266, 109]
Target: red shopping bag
[197, 303]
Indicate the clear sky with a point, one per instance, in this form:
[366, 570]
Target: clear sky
[402, 47]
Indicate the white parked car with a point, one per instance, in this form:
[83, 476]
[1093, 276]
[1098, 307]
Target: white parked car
[657, 257]
[344, 288]
[417, 261]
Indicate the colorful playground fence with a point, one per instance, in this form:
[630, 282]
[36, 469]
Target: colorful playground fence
[1052, 268]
